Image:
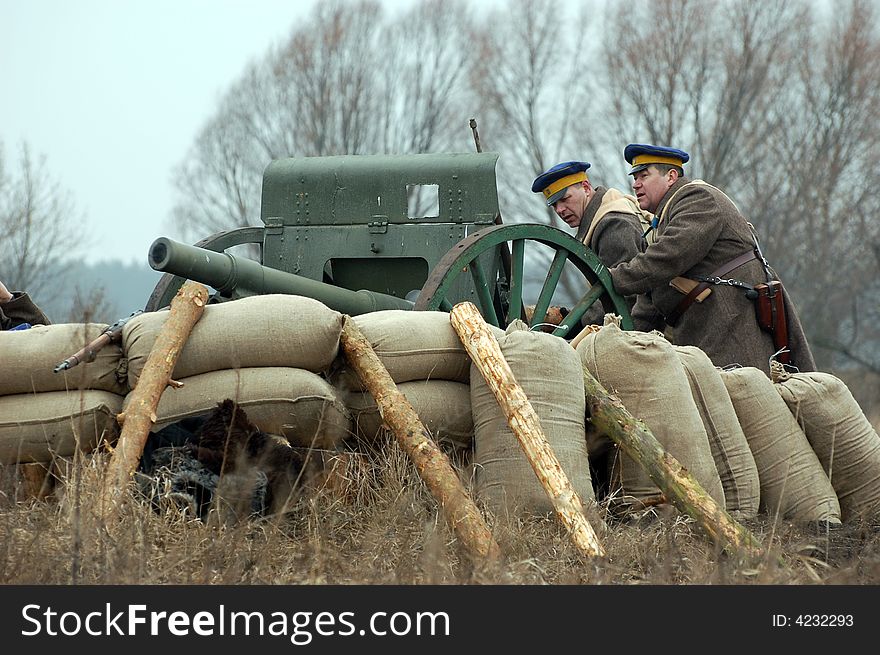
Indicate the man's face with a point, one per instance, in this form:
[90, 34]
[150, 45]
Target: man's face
[650, 185]
[570, 207]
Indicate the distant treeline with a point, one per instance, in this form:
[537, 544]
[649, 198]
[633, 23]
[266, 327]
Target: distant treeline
[101, 292]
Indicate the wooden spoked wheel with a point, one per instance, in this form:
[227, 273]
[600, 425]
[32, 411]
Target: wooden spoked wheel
[498, 286]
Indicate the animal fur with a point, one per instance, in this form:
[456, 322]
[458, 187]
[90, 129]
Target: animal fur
[231, 446]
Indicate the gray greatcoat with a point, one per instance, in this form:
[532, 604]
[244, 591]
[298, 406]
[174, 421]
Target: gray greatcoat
[616, 238]
[21, 309]
[699, 232]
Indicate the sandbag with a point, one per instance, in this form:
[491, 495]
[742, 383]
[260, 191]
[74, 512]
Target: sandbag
[550, 374]
[291, 402]
[40, 427]
[793, 484]
[443, 406]
[259, 331]
[28, 358]
[413, 346]
[730, 449]
[645, 372]
[843, 439]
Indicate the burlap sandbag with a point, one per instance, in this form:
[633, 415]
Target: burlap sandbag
[39, 427]
[28, 357]
[793, 483]
[294, 403]
[549, 373]
[730, 449]
[259, 331]
[443, 406]
[841, 436]
[645, 372]
[413, 346]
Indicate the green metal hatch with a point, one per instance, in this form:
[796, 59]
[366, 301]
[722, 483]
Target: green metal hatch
[377, 222]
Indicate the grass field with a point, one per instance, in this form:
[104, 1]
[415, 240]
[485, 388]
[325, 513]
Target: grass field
[376, 523]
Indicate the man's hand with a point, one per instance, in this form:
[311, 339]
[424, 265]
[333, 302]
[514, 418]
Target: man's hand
[555, 316]
[5, 296]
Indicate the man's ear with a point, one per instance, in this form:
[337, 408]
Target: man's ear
[672, 176]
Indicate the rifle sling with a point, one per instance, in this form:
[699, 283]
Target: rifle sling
[686, 302]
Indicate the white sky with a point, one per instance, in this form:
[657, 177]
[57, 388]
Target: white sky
[113, 93]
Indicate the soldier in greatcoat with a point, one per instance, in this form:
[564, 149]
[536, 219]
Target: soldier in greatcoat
[17, 308]
[701, 238]
[608, 222]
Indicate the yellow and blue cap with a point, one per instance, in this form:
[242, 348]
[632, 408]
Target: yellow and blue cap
[642, 155]
[554, 181]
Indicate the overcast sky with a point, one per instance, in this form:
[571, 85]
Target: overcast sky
[113, 93]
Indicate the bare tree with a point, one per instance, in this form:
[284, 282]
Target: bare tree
[534, 85]
[780, 109]
[37, 221]
[824, 228]
[424, 71]
[347, 81]
[701, 76]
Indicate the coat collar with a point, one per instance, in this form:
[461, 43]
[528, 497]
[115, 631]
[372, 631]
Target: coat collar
[680, 182]
[590, 211]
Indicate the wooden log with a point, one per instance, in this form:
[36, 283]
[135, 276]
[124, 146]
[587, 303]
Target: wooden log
[186, 309]
[485, 352]
[432, 464]
[588, 329]
[611, 418]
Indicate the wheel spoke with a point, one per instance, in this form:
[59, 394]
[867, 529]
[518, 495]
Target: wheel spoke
[516, 282]
[484, 295]
[550, 283]
[508, 289]
[577, 312]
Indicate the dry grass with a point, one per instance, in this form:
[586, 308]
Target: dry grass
[383, 527]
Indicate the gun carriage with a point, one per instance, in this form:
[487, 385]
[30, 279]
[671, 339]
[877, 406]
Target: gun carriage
[363, 233]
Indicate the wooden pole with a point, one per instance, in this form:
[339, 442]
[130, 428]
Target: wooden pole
[485, 352]
[611, 418]
[186, 309]
[431, 463]
[588, 329]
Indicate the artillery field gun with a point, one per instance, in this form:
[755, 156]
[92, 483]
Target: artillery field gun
[362, 233]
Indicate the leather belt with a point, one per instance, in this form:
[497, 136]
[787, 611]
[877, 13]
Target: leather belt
[686, 302]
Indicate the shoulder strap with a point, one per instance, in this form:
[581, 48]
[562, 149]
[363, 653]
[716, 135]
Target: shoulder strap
[723, 270]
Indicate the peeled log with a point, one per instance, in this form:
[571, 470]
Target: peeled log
[611, 418]
[187, 308]
[432, 464]
[486, 354]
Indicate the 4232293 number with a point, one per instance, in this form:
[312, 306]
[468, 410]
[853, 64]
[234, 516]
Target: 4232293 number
[813, 621]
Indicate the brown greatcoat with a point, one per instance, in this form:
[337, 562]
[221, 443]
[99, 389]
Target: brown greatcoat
[21, 309]
[699, 232]
[611, 227]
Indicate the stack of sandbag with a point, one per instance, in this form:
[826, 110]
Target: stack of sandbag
[45, 414]
[427, 361]
[730, 449]
[841, 436]
[550, 374]
[645, 372]
[793, 484]
[267, 353]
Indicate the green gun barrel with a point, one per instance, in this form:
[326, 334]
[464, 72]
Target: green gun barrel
[240, 276]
